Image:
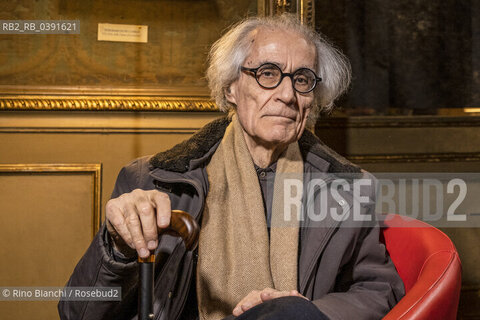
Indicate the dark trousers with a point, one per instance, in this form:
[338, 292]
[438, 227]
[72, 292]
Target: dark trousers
[284, 308]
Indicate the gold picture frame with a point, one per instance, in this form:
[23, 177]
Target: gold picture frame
[106, 103]
[80, 73]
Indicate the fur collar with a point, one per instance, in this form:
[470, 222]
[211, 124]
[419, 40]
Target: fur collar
[178, 158]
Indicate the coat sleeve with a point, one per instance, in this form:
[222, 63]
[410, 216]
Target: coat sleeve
[368, 286]
[98, 268]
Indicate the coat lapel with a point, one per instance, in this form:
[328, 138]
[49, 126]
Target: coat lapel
[319, 227]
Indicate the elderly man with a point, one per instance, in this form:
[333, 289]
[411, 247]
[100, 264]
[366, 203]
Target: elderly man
[272, 75]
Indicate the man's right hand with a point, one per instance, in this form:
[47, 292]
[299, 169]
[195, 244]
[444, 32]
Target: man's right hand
[133, 218]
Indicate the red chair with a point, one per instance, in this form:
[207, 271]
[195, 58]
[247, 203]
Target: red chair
[429, 266]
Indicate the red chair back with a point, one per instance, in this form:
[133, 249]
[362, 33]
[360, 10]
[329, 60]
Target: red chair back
[429, 266]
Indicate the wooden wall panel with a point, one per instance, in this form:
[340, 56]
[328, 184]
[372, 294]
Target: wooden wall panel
[110, 138]
[48, 217]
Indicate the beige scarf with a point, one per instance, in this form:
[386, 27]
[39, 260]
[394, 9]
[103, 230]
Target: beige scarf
[235, 253]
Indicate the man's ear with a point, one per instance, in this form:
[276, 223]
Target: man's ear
[230, 93]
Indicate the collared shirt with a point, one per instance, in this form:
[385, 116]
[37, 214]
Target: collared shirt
[266, 178]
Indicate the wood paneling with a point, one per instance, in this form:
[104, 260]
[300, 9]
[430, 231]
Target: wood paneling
[110, 138]
[48, 214]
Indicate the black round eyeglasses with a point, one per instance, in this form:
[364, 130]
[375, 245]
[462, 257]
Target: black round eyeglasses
[269, 76]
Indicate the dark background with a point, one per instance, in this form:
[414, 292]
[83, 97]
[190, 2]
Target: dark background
[408, 56]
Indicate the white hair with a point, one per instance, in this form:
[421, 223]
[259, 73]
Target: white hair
[228, 54]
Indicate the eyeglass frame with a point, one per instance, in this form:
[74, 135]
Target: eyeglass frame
[283, 75]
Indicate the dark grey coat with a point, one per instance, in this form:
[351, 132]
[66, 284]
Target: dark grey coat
[342, 267]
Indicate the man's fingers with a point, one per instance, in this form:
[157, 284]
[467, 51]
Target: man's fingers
[267, 294]
[296, 293]
[148, 220]
[251, 300]
[273, 295]
[162, 204]
[135, 217]
[135, 228]
[237, 310]
[117, 221]
[246, 306]
[256, 297]
[116, 225]
[277, 294]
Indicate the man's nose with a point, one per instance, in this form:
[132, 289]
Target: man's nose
[286, 90]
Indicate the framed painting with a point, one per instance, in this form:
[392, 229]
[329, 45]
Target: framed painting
[82, 71]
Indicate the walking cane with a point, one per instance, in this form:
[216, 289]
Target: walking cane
[182, 225]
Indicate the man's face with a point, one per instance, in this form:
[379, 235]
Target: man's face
[273, 117]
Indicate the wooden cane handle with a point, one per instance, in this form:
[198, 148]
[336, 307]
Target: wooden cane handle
[183, 225]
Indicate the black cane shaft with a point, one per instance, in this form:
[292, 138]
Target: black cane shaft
[181, 225]
[145, 297]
